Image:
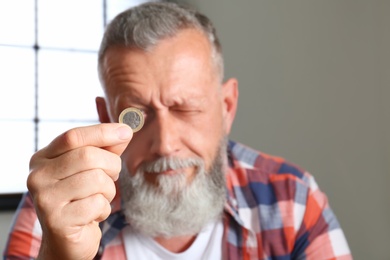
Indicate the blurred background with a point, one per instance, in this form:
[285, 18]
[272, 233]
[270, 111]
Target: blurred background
[314, 80]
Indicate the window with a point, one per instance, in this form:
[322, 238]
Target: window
[48, 68]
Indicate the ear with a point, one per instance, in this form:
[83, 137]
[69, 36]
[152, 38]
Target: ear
[230, 101]
[101, 107]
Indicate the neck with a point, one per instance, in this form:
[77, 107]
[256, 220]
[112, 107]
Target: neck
[176, 244]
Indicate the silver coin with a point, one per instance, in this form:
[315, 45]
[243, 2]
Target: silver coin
[132, 117]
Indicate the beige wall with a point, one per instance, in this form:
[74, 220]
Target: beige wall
[315, 87]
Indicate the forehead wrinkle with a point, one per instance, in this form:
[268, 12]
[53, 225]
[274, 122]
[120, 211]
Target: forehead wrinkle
[120, 74]
[116, 68]
[120, 85]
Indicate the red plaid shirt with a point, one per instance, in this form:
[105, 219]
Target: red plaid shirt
[274, 210]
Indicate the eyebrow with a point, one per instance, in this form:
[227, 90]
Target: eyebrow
[135, 100]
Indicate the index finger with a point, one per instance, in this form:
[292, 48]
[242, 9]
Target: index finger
[112, 136]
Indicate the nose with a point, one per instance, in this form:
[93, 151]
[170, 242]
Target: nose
[165, 140]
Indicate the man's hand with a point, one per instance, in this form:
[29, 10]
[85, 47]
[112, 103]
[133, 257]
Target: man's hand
[72, 184]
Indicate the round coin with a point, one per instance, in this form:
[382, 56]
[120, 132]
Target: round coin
[132, 117]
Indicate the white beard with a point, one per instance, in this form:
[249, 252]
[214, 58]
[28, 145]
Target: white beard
[174, 206]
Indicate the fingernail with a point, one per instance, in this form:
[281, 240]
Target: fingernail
[124, 132]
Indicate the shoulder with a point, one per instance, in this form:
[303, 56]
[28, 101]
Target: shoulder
[25, 216]
[255, 178]
[263, 165]
[25, 234]
[269, 194]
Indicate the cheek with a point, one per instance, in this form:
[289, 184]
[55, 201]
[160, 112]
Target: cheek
[134, 155]
[204, 137]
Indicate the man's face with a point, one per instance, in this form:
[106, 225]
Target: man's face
[187, 110]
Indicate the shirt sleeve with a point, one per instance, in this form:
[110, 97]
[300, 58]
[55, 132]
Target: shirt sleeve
[25, 235]
[320, 235]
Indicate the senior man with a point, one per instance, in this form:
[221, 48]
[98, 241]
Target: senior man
[184, 190]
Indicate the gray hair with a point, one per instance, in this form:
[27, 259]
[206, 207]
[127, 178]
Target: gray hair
[143, 26]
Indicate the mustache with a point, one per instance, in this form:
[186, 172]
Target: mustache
[170, 163]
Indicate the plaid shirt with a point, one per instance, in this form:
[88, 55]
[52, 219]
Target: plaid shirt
[274, 210]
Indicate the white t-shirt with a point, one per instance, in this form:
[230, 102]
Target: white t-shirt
[207, 245]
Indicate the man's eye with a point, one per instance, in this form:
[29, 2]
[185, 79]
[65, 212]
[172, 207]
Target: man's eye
[144, 113]
[188, 111]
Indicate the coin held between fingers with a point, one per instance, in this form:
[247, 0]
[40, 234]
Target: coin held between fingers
[132, 117]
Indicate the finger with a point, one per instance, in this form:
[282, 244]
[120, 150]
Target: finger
[85, 184]
[84, 159]
[114, 137]
[84, 211]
